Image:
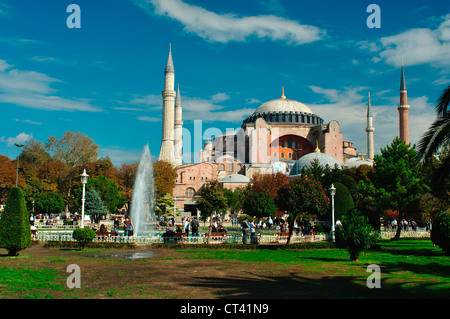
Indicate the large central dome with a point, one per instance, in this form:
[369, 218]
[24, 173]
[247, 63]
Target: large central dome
[285, 111]
[283, 105]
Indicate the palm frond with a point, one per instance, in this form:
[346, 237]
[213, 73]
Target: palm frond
[436, 135]
[443, 102]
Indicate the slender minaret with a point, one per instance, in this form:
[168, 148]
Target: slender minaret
[369, 130]
[168, 127]
[178, 129]
[403, 109]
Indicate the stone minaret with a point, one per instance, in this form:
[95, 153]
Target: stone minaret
[369, 130]
[178, 146]
[167, 141]
[403, 109]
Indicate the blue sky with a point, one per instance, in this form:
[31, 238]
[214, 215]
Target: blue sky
[105, 78]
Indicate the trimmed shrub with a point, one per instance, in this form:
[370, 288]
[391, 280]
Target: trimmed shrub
[343, 200]
[440, 232]
[83, 236]
[15, 231]
[355, 234]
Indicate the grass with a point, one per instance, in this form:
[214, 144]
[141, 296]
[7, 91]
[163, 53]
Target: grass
[409, 269]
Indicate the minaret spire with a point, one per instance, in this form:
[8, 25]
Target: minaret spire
[168, 126]
[369, 130]
[403, 109]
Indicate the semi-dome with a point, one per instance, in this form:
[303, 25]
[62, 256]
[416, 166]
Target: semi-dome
[322, 158]
[359, 162]
[235, 178]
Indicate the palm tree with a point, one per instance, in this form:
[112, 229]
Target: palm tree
[437, 136]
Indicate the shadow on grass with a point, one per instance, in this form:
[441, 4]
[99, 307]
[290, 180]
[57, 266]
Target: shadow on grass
[294, 286]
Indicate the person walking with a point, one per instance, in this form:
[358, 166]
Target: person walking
[244, 226]
[194, 226]
[252, 232]
[186, 226]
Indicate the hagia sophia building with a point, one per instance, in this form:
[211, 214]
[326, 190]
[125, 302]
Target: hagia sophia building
[282, 135]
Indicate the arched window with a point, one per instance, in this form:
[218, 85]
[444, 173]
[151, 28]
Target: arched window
[190, 192]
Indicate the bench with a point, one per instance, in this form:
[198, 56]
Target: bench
[173, 237]
[216, 238]
[104, 235]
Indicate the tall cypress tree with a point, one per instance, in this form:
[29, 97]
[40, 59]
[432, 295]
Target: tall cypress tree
[15, 231]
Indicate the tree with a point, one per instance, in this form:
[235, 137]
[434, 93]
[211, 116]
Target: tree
[34, 153]
[126, 176]
[302, 197]
[269, 183]
[163, 204]
[15, 231]
[108, 191]
[397, 183]
[212, 200]
[440, 232]
[50, 173]
[73, 149]
[49, 203]
[438, 135]
[94, 205]
[259, 205]
[235, 198]
[355, 234]
[8, 173]
[165, 176]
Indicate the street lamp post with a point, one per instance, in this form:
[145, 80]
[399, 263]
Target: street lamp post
[84, 178]
[18, 151]
[332, 193]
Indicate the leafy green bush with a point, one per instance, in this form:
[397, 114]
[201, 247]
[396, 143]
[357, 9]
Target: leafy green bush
[83, 236]
[355, 234]
[15, 231]
[440, 232]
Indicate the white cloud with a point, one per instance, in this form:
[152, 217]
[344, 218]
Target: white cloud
[29, 122]
[119, 156]
[149, 119]
[252, 101]
[33, 90]
[418, 46]
[208, 111]
[230, 27]
[19, 139]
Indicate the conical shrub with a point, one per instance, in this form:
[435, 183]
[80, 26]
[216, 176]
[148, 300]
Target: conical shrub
[15, 231]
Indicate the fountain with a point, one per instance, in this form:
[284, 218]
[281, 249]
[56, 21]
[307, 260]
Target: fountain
[143, 200]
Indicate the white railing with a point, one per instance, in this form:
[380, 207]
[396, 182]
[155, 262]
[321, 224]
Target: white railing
[231, 239]
[405, 234]
[236, 239]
